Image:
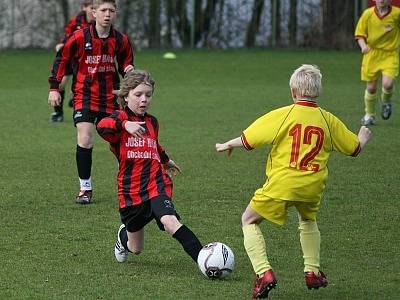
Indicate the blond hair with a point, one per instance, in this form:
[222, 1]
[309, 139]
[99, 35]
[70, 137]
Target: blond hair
[306, 81]
[131, 80]
[97, 3]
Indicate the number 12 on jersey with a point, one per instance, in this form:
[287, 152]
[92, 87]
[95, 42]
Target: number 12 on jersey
[305, 163]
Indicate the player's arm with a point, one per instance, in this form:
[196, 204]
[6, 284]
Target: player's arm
[125, 57]
[110, 128]
[364, 135]
[68, 30]
[230, 145]
[363, 45]
[361, 33]
[170, 166]
[59, 68]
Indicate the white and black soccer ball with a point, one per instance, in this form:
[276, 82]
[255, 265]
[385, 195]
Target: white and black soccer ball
[216, 260]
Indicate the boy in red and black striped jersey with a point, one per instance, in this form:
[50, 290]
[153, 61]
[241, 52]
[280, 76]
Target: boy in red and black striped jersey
[145, 170]
[94, 50]
[82, 20]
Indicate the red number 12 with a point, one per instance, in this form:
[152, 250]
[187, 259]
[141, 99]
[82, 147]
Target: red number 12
[305, 162]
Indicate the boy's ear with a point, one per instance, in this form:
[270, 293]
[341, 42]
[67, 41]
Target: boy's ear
[293, 92]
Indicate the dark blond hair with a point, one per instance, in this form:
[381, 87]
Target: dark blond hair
[131, 80]
[97, 3]
[86, 2]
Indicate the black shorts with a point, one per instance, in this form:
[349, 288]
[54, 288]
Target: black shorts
[137, 216]
[85, 115]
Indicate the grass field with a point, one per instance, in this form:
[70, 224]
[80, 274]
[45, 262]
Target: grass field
[51, 248]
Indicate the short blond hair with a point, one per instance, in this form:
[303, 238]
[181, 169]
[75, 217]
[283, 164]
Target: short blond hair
[131, 80]
[306, 81]
[97, 3]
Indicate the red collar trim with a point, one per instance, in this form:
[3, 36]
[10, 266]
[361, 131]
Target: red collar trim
[306, 103]
[382, 17]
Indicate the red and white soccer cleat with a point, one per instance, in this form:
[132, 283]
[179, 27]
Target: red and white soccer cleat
[84, 197]
[264, 284]
[314, 281]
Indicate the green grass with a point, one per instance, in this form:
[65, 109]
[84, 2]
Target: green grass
[50, 248]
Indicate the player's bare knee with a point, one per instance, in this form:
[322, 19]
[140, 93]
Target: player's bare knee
[171, 223]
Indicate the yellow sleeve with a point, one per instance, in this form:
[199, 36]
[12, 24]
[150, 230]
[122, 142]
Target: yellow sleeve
[343, 140]
[361, 28]
[264, 130]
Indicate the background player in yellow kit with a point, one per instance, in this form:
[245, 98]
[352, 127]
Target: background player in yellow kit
[302, 136]
[378, 35]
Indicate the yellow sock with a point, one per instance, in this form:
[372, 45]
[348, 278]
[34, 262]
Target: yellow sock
[310, 240]
[387, 95]
[254, 244]
[370, 101]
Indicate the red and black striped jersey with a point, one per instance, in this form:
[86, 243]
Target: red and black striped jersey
[96, 74]
[141, 176]
[78, 21]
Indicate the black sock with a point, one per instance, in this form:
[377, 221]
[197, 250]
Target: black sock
[59, 108]
[189, 241]
[123, 236]
[84, 162]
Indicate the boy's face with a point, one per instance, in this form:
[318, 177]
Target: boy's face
[105, 14]
[382, 3]
[139, 99]
[88, 9]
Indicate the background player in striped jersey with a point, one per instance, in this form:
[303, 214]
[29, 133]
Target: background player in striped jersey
[144, 186]
[302, 136]
[79, 21]
[94, 50]
[378, 35]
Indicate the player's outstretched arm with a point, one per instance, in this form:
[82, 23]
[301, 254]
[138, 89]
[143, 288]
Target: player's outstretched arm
[229, 145]
[364, 135]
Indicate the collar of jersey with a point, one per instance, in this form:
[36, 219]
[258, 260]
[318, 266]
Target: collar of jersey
[132, 114]
[306, 103]
[94, 31]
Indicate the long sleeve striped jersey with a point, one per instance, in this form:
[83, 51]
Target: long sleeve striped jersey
[96, 75]
[141, 176]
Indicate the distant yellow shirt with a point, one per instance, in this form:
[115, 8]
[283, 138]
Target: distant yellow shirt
[380, 32]
[302, 136]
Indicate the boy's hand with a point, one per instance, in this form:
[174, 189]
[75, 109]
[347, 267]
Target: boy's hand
[54, 98]
[135, 129]
[59, 46]
[224, 147]
[364, 135]
[171, 168]
[365, 49]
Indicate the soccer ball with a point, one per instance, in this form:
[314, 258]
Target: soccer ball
[216, 260]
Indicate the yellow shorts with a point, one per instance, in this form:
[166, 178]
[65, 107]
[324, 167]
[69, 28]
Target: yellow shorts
[275, 210]
[377, 62]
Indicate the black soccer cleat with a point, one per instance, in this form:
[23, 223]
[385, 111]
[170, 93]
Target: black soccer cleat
[57, 116]
[386, 110]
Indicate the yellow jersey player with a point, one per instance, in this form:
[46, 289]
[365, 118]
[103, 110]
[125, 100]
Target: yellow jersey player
[302, 136]
[378, 35]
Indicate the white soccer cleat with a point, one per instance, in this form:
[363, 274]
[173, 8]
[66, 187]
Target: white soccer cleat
[121, 254]
[368, 120]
